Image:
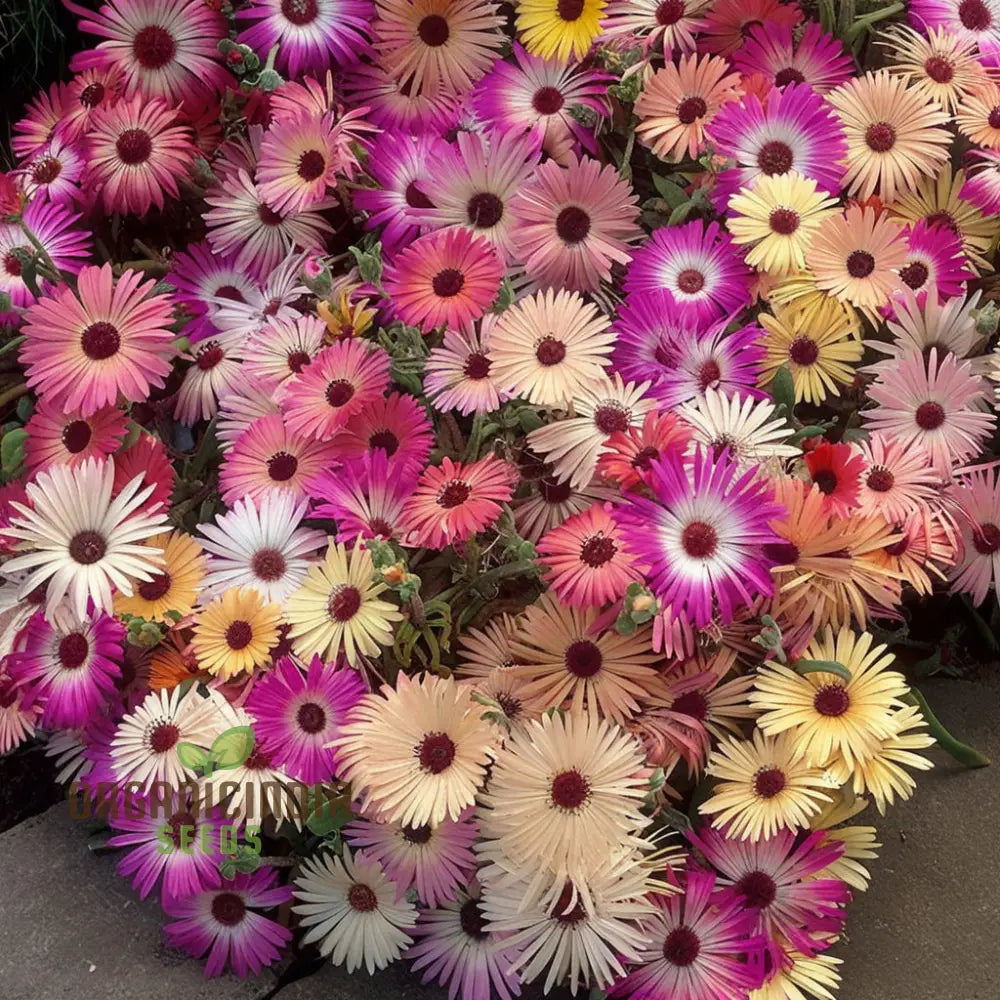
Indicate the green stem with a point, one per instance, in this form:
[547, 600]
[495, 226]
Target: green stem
[475, 437]
[962, 752]
[863, 23]
[821, 667]
[14, 393]
[43, 254]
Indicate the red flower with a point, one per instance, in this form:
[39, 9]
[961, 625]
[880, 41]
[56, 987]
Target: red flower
[836, 469]
[10, 196]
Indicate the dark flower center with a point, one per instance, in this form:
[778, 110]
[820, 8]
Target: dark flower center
[134, 146]
[12, 263]
[826, 480]
[669, 12]
[436, 752]
[782, 553]
[177, 823]
[690, 281]
[570, 10]
[268, 215]
[547, 101]
[153, 590]
[433, 30]
[344, 603]
[681, 946]
[832, 700]
[700, 540]
[239, 635]
[758, 890]
[448, 283]
[281, 466]
[485, 210]
[46, 170]
[598, 550]
[786, 76]
[164, 737]
[260, 759]
[708, 373]
[87, 547]
[268, 564]
[339, 392]
[562, 912]
[692, 703]
[100, 341]
[974, 15]
[915, 275]
[939, 69]
[209, 356]
[73, 650]
[986, 539]
[691, 109]
[943, 219]
[153, 46]
[470, 918]
[76, 436]
[229, 292]
[570, 790]
[775, 158]
[993, 118]
[361, 898]
[880, 136]
[385, 440]
[645, 457]
[453, 494]
[550, 351]
[583, 658]
[553, 491]
[415, 198]
[228, 909]
[92, 95]
[300, 12]
[899, 548]
[784, 221]
[298, 360]
[768, 782]
[572, 224]
[860, 263]
[929, 416]
[312, 165]
[880, 479]
[380, 526]
[311, 718]
[477, 366]
[416, 834]
[610, 419]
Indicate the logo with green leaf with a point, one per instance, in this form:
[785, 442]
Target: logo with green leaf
[230, 749]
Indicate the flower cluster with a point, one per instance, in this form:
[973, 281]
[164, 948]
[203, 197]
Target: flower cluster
[484, 455]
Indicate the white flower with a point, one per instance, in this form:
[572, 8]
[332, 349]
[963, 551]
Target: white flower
[84, 543]
[351, 910]
[283, 347]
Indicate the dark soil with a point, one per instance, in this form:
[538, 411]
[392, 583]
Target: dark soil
[27, 784]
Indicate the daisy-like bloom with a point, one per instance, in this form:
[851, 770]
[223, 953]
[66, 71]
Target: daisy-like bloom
[223, 923]
[216, 367]
[763, 787]
[282, 349]
[894, 136]
[137, 152]
[298, 714]
[544, 346]
[836, 471]
[353, 910]
[629, 454]
[977, 115]
[56, 437]
[678, 102]
[57, 230]
[572, 223]
[802, 975]
[446, 278]
[144, 747]
[855, 257]
[982, 189]
[668, 26]
[242, 406]
[939, 65]
[260, 544]
[703, 535]
[550, 502]
[35, 131]
[396, 425]
[697, 945]
[935, 403]
[310, 35]
[94, 88]
[236, 632]
[977, 494]
[832, 720]
[586, 561]
[971, 20]
[202, 279]
[935, 262]
[176, 584]
[268, 456]
[602, 407]
[147, 461]
[111, 338]
[185, 872]
[794, 131]
[241, 221]
[746, 428]
[337, 609]
[482, 651]
[779, 881]
[432, 46]
[433, 860]
[938, 202]
[536, 96]
[452, 501]
[166, 50]
[19, 714]
[454, 947]
[416, 754]
[567, 660]
[697, 266]
[785, 57]
[559, 29]
[401, 166]
[71, 666]
[897, 479]
[818, 344]
[55, 172]
[927, 548]
[80, 542]
[458, 375]
[339, 381]
[728, 22]
[564, 794]
[777, 219]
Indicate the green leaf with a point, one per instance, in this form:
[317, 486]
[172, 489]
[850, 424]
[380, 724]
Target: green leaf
[191, 756]
[810, 431]
[672, 193]
[12, 345]
[680, 213]
[962, 752]
[246, 862]
[232, 748]
[25, 407]
[676, 819]
[821, 667]
[12, 450]
[783, 389]
[328, 816]
[228, 869]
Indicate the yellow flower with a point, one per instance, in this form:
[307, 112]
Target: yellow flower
[236, 632]
[978, 116]
[559, 28]
[777, 216]
[174, 587]
[346, 319]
